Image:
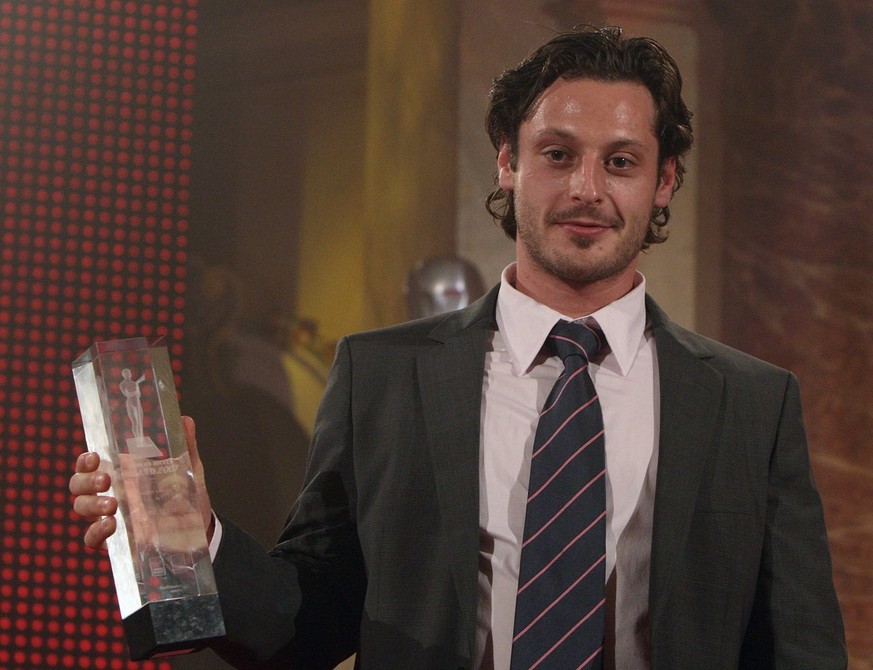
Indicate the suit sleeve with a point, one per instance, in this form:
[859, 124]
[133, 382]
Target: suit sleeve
[796, 620]
[300, 605]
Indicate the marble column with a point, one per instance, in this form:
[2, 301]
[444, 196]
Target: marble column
[798, 245]
[410, 158]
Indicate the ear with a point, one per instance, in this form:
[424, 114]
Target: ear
[666, 182]
[505, 174]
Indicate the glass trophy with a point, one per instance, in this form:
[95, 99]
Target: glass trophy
[159, 554]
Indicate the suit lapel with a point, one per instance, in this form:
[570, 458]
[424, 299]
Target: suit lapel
[691, 392]
[450, 386]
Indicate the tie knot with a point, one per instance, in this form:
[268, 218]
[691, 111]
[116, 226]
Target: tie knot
[571, 338]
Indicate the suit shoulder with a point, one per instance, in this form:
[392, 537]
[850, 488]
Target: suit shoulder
[725, 357]
[673, 339]
[407, 333]
[428, 331]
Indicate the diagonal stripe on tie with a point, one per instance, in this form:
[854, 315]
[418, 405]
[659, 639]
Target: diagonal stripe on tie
[559, 615]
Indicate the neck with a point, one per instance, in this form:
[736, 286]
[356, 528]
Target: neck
[574, 299]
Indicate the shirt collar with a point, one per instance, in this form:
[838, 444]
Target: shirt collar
[525, 323]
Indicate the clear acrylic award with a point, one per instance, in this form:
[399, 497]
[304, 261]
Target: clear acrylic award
[159, 554]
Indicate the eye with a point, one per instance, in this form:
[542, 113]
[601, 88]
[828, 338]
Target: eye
[620, 162]
[557, 155]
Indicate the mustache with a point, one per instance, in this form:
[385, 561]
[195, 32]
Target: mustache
[584, 212]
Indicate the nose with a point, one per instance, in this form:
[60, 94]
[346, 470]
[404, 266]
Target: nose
[587, 182]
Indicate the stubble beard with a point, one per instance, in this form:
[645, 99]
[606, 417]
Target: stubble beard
[572, 265]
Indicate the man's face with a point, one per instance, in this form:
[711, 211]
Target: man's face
[585, 181]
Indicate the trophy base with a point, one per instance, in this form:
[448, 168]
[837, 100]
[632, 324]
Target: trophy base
[169, 627]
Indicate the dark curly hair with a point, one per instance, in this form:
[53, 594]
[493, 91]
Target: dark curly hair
[604, 55]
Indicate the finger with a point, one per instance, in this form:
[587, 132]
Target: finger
[87, 461]
[199, 473]
[190, 429]
[94, 507]
[98, 532]
[89, 483]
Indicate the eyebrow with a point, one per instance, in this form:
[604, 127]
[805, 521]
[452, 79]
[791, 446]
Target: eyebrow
[619, 142]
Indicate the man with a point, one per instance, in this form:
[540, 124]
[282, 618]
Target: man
[408, 539]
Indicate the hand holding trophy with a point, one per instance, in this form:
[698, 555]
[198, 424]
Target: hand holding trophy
[159, 553]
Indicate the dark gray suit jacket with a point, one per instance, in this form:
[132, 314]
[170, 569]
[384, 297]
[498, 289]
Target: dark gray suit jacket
[380, 554]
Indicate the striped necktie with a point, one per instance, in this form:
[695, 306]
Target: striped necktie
[560, 605]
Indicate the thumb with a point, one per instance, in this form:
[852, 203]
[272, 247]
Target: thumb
[199, 473]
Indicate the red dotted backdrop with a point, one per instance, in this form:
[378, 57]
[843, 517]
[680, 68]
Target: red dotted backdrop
[95, 140]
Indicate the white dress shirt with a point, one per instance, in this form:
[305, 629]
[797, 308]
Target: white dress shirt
[518, 378]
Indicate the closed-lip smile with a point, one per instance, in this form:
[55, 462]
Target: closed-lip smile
[585, 227]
